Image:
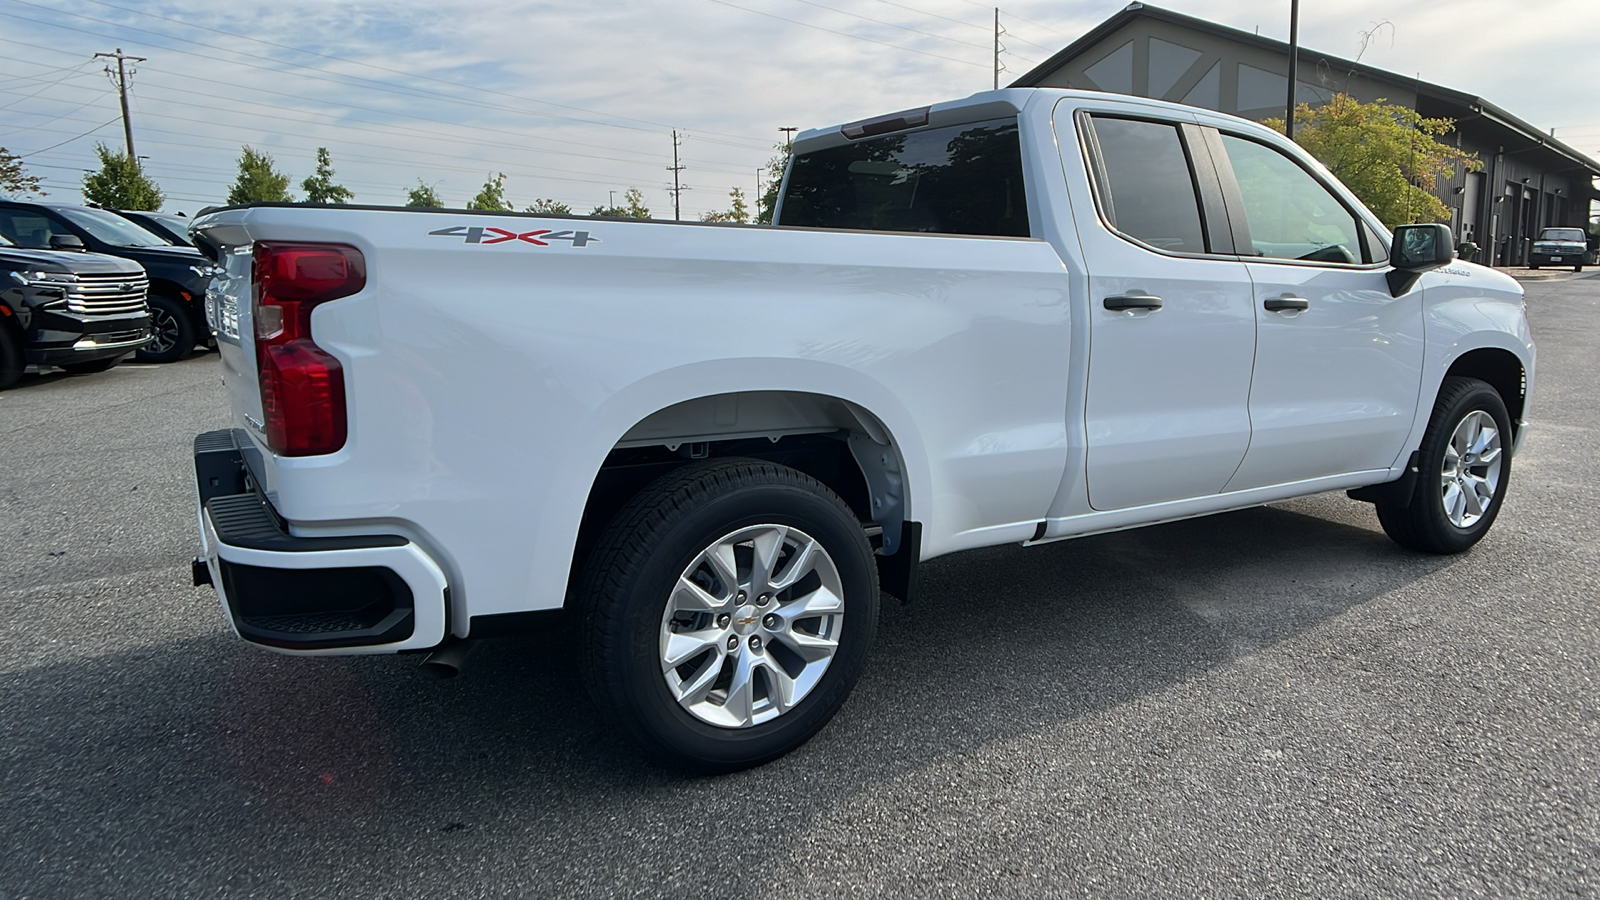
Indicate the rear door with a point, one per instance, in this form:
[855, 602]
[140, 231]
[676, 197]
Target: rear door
[1172, 329]
[1338, 358]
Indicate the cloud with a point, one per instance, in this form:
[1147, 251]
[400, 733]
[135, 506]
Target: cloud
[573, 101]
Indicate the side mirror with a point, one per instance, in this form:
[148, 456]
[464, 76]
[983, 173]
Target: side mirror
[1416, 249]
[66, 242]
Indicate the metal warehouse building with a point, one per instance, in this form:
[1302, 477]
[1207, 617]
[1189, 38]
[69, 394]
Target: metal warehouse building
[1529, 179]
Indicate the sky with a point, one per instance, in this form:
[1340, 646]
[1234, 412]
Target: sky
[578, 101]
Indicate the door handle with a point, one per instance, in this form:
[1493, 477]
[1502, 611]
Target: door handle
[1283, 304]
[1132, 301]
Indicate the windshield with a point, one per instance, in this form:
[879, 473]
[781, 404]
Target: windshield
[1562, 234]
[112, 228]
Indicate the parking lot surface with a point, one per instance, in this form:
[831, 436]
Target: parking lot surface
[1275, 702]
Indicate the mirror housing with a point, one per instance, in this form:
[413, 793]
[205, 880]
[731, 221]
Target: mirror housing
[66, 242]
[1416, 249]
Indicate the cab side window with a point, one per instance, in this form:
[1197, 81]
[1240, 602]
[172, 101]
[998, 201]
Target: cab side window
[1146, 189]
[27, 229]
[1291, 215]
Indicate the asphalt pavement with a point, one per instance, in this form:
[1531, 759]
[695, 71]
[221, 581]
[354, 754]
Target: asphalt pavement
[1275, 702]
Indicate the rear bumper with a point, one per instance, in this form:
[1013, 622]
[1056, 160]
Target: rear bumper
[376, 593]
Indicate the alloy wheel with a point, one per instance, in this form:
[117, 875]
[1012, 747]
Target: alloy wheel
[1472, 468]
[751, 626]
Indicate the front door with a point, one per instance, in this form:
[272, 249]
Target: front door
[1338, 358]
[1172, 331]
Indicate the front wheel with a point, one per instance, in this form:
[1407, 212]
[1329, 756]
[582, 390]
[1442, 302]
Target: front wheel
[172, 335]
[1464, 468]
[729, 608]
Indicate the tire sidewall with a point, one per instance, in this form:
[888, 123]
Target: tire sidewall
[184, 344]
[642, 691]
[1480, 397]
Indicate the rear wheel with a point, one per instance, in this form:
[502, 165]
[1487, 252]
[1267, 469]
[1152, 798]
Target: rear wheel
[1463, 470]
[12, 360]
[85, 368]
[729, 610]
[1577, 268]
[172, 335]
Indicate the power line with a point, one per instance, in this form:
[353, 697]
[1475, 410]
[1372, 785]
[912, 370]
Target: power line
[299, 116]
[68, 140]
[378, 85]
[48, 86]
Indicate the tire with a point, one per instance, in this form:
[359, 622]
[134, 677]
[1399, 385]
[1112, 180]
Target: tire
[1532, 266]
[1577, 268]
[653, 577]
[1464, 467]
[12, 360]
[173, 333]
[85, 368]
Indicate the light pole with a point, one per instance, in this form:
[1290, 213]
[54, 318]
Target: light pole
[1294, 59]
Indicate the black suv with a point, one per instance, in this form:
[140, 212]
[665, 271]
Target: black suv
[83, 312]
[178, 275]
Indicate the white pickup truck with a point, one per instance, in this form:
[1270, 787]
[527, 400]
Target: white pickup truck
[1020, 317]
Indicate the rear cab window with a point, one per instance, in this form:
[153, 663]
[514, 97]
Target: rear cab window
[959, 179]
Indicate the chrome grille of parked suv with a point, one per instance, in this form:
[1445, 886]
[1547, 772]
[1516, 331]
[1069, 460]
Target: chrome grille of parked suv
[108, 295]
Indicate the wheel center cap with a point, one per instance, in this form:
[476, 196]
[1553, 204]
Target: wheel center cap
[745, 619]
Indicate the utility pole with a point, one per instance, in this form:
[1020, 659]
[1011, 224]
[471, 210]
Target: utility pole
[677, 189]
[122, 90]
[788, 137]
[997, 33]
[1294, 61]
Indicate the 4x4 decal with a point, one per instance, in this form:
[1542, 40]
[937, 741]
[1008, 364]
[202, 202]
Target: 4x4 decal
[539, 237]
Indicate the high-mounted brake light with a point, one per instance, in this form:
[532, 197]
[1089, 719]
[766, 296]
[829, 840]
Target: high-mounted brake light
[302, 386]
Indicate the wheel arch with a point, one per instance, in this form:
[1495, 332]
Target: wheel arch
[1500, 369]
[836, 439]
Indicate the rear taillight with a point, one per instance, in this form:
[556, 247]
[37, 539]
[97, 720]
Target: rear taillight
[302, 386]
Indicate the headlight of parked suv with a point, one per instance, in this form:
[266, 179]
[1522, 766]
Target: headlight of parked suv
[35, 277]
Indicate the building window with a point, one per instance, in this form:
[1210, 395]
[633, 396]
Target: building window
[1114, 72]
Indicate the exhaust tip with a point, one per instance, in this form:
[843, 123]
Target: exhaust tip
[448, 659]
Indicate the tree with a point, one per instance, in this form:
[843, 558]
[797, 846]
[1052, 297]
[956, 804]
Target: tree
[768, 201]
[120, 183]
[320, 187]
[258, 181]
[424, 195]
[14, 179]
[492, 196]
[634, 208]
[1389, 155]
[737, 211]
[550, 207]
